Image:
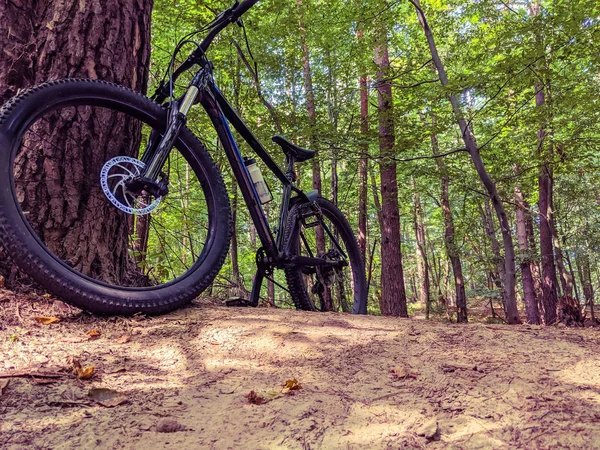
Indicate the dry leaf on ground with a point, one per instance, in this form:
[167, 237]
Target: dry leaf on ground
[3, 385]
[107, 397]
[82, 373]
[403, 372]
[1, 282]
[94, 334]
[44, 320]
[291, 385]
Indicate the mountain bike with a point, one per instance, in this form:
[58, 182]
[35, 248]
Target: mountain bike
[143, 225]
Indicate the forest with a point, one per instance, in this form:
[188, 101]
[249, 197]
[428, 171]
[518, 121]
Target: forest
[459, 138]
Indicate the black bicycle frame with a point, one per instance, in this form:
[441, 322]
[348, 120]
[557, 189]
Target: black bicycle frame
[222, 114]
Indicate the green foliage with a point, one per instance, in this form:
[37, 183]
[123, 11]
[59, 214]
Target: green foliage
[496, 53]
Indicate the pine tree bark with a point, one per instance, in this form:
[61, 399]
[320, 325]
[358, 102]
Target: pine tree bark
[108, 40]
[512, 316]
[393, 294]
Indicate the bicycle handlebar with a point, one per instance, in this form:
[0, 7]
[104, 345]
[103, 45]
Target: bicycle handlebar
[228, 16]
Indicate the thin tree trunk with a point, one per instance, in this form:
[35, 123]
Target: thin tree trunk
[363, 162]
[490, 230]
[422, 261]
[512, 316]
[565, 277]
[393, 294]
[451, 248]
[531, 301]
[311, 111]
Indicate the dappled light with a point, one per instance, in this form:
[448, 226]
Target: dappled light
[364, 382]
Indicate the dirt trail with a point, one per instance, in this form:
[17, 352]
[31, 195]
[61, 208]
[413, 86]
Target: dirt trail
[367, 382]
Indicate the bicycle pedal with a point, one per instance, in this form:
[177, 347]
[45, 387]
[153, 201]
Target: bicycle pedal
[236, 302]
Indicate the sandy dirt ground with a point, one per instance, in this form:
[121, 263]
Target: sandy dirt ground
[182, 381]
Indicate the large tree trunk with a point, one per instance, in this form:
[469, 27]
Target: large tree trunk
[512, 313]
[393, 294]
[108, 40]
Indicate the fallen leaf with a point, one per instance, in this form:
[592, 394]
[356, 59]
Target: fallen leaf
[94, 334]
[46, 320]
[82, 373]
[107, 397]
[291, 385]
[123, 339]
[3, 385]
[403, 372]
[1, 282]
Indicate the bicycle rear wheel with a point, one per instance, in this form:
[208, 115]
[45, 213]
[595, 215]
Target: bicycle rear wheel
[340, 287]
[69, 219]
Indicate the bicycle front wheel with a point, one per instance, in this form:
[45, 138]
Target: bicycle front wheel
[340, 286]
[70, 218]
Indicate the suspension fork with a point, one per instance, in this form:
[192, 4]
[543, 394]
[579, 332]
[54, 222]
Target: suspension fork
[157, 152]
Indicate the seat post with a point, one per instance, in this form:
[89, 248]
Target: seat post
[290, 173]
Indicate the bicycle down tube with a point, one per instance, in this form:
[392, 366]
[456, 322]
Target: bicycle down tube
[220, 112]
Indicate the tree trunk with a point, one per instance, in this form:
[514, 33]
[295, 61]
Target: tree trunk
[451, 248]
[108, 40]
[393, 294]
[531, 301]
[422, 261]
[497, 263]
[311, 111]
[512, 315]
[363, 163]
[565, 277]
[549, 280]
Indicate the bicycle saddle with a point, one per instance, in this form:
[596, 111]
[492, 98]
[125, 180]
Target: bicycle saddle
[298, 153]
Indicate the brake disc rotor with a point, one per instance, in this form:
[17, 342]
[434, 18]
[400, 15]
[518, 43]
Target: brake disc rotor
[114, 176]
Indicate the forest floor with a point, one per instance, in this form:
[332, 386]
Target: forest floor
[183, 381]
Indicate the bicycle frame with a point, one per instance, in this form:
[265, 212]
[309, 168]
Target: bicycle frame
[202, 88]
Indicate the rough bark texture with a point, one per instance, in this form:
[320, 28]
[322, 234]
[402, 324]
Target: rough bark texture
[42, 41]
[531, 301]
[393, 295]
[512, 313]
[549, 280]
